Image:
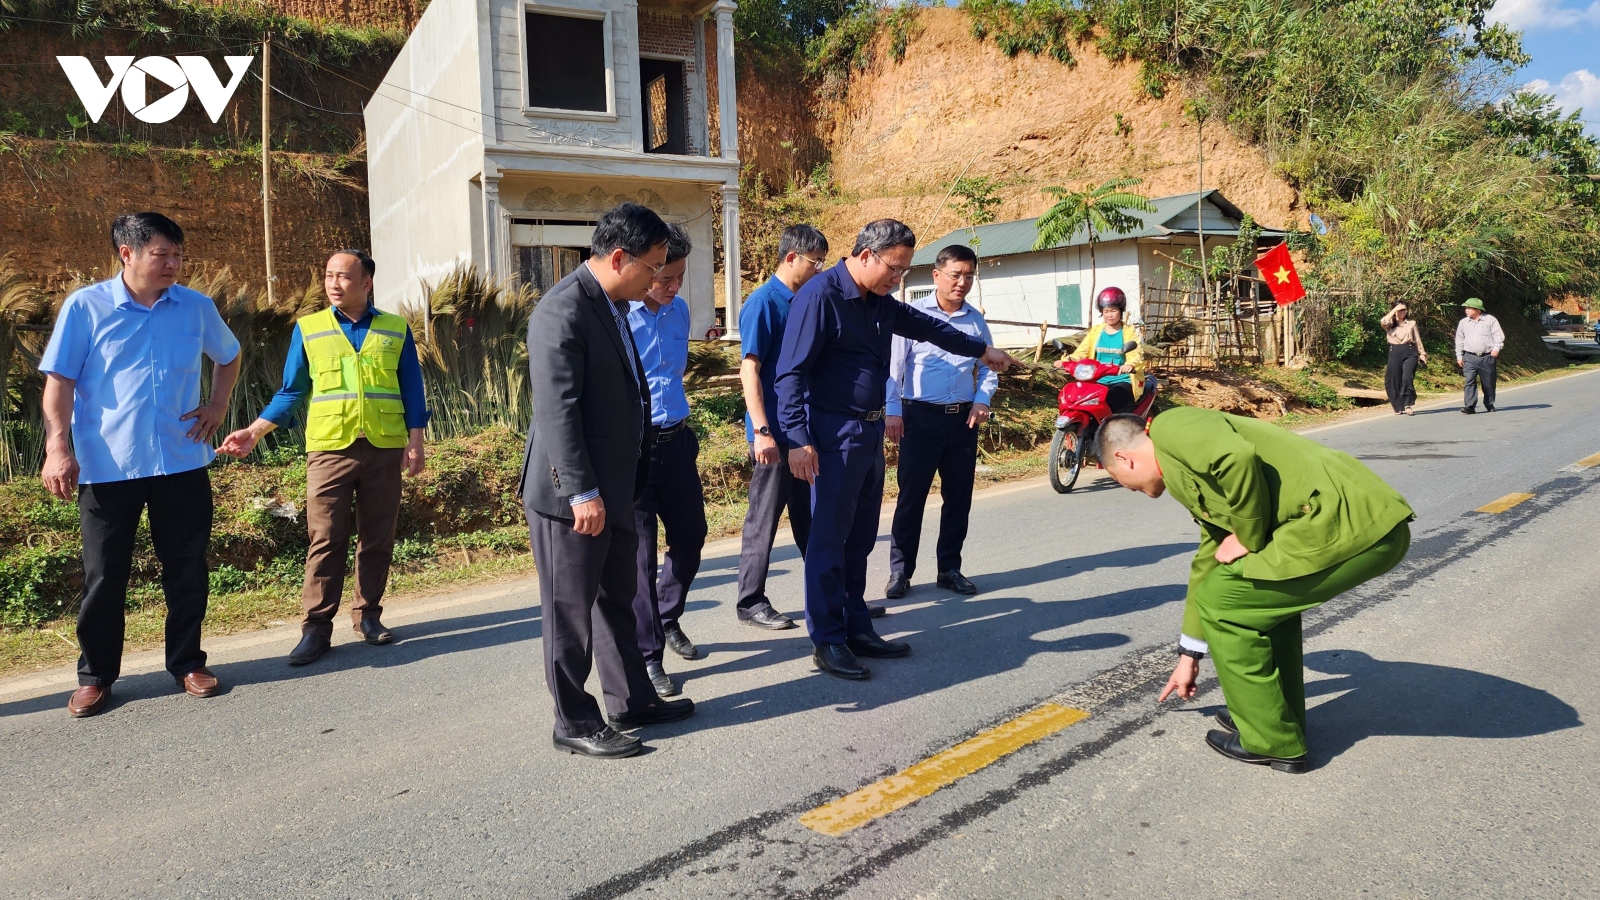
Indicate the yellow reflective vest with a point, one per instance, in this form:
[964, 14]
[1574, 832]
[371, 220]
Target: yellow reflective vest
[354, 394]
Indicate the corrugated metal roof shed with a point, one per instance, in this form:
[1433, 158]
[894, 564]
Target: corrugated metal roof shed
[1173, 215]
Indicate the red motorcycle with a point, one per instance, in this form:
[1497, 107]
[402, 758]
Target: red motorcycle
[1082, 406]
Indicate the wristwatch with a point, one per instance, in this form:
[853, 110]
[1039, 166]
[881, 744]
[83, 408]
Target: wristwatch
[764, 431]
[1195, 655]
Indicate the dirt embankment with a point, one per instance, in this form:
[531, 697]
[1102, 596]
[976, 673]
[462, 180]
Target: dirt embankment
[956, 106]
[60, 199]
[400, 14]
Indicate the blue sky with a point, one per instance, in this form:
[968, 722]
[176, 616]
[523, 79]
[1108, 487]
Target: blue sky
[1563, 37]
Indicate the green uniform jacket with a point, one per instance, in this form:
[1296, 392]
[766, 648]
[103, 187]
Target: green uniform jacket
[1297, 506]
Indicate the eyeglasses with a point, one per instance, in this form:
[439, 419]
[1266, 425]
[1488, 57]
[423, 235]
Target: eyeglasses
[815, 263]
[968, 278]
[654, 270]
[897, 271]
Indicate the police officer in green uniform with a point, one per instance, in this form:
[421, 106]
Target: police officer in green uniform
[358, 372]
[1286, 524]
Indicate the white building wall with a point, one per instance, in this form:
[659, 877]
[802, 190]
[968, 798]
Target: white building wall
[424, 147]
[616, 130]
[1024, 287]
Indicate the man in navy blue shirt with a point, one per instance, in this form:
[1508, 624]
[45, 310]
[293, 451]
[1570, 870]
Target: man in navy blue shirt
[802, 253]
[831, 391]
[672, 494]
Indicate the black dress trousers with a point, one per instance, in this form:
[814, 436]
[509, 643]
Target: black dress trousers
[934, 442]
[180, 529]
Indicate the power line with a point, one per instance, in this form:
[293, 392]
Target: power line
[98, 26]
[282, 93]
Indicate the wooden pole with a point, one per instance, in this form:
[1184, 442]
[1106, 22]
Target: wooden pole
[1038, 350]
[266, 164]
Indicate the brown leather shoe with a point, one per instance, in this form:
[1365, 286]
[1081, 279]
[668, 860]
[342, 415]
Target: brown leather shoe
[201, 683]
[88, 700]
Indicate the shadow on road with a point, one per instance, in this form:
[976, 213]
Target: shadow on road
[414, 642]
[955, 640]
[1415, 699]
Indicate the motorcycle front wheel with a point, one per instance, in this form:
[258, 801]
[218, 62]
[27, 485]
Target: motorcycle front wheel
[1066, 458]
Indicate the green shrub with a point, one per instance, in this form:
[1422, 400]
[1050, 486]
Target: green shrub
[39, 583]
[225, 579]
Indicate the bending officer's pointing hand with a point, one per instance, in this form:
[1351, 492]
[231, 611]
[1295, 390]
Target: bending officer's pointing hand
[1182, 680]
[803, 463]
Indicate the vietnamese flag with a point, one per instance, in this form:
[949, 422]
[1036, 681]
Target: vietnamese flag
[1277, 269]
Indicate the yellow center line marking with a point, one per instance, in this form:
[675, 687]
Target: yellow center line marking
[880, 798]
[1504, 503]
[1589, 462]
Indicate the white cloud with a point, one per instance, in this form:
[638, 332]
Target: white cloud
[1528, 15]
[1578, 90]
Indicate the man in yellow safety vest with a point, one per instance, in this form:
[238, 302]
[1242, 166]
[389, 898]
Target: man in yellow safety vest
[366, 415]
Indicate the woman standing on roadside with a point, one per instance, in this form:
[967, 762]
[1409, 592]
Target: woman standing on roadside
[1405, 349]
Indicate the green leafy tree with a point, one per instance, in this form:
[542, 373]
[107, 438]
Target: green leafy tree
[1107, 209]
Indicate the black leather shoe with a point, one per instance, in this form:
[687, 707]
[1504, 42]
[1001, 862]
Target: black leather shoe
[679, 643]
[955, 581]
[838, 661]
[660, 680]
[1227, 743]
[897, 587]
[764, 616]
[603, 744]
[874, 647]
[1468, 410]
[1488, 407]
[373, 632]
[1225, 719]
[657, 713]
[876, 611]
[310, 649]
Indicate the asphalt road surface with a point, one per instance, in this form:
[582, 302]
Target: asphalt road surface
[1452, 749]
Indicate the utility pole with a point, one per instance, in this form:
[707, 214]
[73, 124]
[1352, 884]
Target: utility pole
[266, 164]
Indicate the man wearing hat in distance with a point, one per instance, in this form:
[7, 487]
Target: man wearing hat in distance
[1286, 525]
[1479, 341]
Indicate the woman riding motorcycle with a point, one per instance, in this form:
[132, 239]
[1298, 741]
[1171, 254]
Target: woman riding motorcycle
[1104, 343]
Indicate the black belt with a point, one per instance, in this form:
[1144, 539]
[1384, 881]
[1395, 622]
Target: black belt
[949, 409]
[873, 416]
[1470, 353]
[666, 433]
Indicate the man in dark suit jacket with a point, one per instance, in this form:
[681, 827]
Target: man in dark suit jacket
[579, 479]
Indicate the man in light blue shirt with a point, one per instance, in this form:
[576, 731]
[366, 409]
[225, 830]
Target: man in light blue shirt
[122, 375]
[672, 492]
[937, 402]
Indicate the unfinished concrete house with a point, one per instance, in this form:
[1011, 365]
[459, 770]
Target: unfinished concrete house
[506, 127]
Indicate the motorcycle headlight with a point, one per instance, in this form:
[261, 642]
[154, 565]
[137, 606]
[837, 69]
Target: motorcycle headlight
[1083, 371]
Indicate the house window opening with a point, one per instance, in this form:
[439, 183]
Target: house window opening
[541, 267]
[567, 63]
[665, 113]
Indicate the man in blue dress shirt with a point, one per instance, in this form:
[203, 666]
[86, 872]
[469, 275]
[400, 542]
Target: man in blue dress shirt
[672, 491]
[122, 377]
[802, 253]
[937, 403]
[347, 465]
[831, 378]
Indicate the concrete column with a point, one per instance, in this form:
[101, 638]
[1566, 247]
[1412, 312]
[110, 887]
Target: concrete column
[727, 96]
[493, 243]
[730, 255]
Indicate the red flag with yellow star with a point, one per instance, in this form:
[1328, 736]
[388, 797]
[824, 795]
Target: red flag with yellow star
[1277, 269]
